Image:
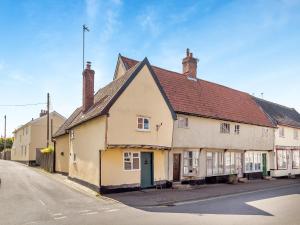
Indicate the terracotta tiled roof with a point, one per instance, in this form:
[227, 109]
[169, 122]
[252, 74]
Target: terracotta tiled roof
[206, 99]
[280, 114]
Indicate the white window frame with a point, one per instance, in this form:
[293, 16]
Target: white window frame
[131, 157]
[229, 157]
[217, 163]
[183, 122]
[190, 163]
[253, 162]
[237, 129]
[143, 124]
[225, 128]
[295, 160]
[282, 154]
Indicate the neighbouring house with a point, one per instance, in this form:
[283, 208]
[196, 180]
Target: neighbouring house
[153, 126]
[62, 145]
[31, 137]
[285, 156]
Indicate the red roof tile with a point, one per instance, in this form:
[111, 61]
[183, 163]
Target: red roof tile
[207, 99]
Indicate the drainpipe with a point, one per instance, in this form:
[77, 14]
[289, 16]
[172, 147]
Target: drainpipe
[172, 142]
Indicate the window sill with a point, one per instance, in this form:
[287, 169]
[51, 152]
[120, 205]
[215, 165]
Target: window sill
[142, 130]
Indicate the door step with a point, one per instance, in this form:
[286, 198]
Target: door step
[180, 186]
[243, 180]
[268, 178]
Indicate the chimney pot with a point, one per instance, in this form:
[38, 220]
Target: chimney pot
[88, 65]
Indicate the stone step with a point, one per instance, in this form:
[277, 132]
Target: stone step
[243, 180]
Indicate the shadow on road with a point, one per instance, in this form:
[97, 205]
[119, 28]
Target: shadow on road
[225, 205]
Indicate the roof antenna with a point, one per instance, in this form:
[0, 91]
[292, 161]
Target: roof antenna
[262, 95]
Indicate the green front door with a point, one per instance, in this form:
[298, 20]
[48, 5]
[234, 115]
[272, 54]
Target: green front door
[146, 169]
[264, 162]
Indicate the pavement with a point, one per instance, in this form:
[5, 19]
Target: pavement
[29, 196]
[169, 197]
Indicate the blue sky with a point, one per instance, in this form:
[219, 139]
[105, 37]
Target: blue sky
[253, 46]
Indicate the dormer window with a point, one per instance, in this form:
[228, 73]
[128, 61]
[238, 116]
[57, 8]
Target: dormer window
[143, 123]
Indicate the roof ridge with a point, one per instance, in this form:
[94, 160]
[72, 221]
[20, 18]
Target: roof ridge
[261, 99]
[198, 79]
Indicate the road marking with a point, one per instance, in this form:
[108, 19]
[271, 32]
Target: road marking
[43, 203]
[112, 210]
[84, 211]
[57, 214]
[59, 218]
[90, 213]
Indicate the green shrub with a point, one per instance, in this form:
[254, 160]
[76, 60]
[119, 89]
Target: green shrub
[48, 150]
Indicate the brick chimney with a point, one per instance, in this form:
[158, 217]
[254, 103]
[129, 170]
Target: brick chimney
[189, 65]
[88, 87]
[43, 113]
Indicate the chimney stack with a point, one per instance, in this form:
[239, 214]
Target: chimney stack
[88, 87]
[43, 113]
[189, 65]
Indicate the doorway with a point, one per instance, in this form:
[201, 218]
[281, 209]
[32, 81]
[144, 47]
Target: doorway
[146, 169]
[176, 167]
[264, 164]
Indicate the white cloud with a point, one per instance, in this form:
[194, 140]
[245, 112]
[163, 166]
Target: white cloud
[92, 8]
[148, 21]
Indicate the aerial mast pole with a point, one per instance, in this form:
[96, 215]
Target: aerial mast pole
[84, 29]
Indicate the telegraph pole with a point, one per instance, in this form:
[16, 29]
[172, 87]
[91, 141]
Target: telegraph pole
[84, 29]
[4, 132]
[48, 107]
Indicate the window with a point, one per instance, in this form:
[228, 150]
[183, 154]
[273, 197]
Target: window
[131, 160]
[183, 122]
[229, 163]
[281, 132]
[74, 158]
[296, 134]
[214, 163]
[265, 132]
[282, 159]
[237, 129]
[72, 134]
[143, 123]
[253, 162]
[225, 128]
[190, 162]
[296, 159]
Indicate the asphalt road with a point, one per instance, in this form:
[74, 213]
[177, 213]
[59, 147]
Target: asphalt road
[29, 197]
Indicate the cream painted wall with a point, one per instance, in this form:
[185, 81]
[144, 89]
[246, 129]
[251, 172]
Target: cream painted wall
[113, 173]
[62, 146]
[39, 133]
[34, 138]
[141, 98]
[21, 139]
[89, 139]
[288, 139]
[205, 133]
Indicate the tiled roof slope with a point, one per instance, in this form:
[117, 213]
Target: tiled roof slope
[102, 99]
[280, 114]
[206, 99]
[62, 129]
